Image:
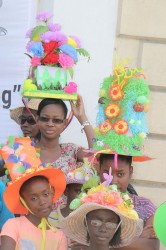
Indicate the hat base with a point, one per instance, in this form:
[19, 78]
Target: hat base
[56, 94]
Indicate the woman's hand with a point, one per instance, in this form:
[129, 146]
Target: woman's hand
[79, 110]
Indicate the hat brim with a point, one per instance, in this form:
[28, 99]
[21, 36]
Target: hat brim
[136, 158]
[15, 113]
[74, 226]
[12, 196]
[74, 181]
[58, 94]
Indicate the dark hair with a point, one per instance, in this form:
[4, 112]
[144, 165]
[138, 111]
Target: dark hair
[125, 158]
[49, 101]
[29, 181]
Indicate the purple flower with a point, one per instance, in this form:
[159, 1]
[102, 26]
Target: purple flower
[77, 40]
[44, 16]
[69, 50]
[28, 34]
[37, 49]
[29, 44]
[54, 27]
[53, 36]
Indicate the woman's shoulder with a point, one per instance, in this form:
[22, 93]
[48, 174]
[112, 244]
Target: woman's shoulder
[144, 207]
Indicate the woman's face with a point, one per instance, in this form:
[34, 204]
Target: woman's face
[52, 121]
[39, 198]
[121, 176]
[102, 225]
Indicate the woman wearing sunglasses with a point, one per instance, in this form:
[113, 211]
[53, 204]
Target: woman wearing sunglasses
[26, 118]
[52, 120]
[103, 219]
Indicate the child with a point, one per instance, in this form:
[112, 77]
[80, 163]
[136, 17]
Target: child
[102, 219]
[120, 132]
[144, 207]
[75, 180]
[5, 214]
[31, 192]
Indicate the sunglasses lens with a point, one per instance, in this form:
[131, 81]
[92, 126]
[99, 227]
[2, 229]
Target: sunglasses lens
[29, 120]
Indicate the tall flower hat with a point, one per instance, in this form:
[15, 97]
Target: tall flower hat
[53, 56]
[23, 162]
[121, 119]
[102, 197]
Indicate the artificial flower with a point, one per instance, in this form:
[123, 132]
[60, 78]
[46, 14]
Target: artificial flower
[53, 36]
[69, 50]
[51, 59]
[50, 46]
[37, 49]
[35, 61]
[44, 16]
[54, 27]
[65, 61]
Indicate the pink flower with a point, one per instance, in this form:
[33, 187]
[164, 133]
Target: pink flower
[65, 60]
[53, 36]
[28, 34]
[44, 16]
[35, 61]
[71, 88]
[54, 27]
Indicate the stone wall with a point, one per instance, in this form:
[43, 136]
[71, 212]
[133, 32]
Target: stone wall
[141, 35]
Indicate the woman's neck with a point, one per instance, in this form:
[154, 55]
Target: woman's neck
[95, 246]
[45, 143]
[33, 219]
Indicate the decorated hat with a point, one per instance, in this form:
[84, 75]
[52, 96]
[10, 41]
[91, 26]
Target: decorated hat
[53, 56]
[102, 197]
[81, 174]
[22, 163]
[121, 118]
[17, 112]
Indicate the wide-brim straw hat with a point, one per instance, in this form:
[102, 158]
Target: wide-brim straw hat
[17, 112]
[74, 224]
[55, 177]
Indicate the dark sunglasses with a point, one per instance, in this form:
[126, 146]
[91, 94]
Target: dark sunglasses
[54, 120]
[30, 120]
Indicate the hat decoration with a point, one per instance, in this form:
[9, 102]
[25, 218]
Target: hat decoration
[53, 56]
[22, 162]
[82, 174]
[102, 197]
[121, 119]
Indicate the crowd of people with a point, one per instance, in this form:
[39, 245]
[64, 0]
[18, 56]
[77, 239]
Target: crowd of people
[59, 196]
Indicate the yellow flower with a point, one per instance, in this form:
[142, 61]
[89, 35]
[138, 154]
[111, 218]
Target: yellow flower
[71, 42]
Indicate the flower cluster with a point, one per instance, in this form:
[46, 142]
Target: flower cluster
[49, 46]
[108, 196]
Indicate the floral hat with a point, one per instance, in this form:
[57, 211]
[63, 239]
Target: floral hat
[121, 119]
[102, 197]
[53, 56]
[82, 174]
[22, 163]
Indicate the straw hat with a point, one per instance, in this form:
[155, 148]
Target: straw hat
[17, 112]
[23, 163]
[74, 224]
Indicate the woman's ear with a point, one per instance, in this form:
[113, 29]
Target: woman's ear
[131, 171]
[65, 124]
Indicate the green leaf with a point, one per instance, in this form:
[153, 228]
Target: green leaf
[83, 52]
[37, 31]
[70, 70]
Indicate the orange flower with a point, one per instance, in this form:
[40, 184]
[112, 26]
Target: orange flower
[112, 110]
[121, 127]
[116, 93]
[105, 127]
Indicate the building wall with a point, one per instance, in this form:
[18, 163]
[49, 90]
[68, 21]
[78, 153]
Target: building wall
[141, 35]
